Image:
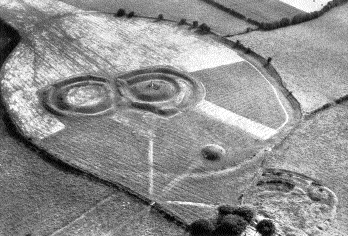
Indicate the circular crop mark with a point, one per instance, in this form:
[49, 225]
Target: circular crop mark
[86, 95]
[213, 152]
[160, 90]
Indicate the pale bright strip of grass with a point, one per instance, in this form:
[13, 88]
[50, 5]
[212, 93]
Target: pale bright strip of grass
[254, 128]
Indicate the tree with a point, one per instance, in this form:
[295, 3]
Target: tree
[231, 225]
[131, 14]
[160, 17]
[182, 22]
[266, 228]
[201, 227]
[121, 12]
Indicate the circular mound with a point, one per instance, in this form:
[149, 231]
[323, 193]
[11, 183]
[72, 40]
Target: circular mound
[231, 225]
[213, 152]
[85, 95]
[160, 90]
[154, 88]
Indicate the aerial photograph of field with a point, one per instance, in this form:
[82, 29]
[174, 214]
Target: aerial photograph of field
[174, 117]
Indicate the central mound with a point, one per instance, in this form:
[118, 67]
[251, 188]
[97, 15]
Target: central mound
[153, 87]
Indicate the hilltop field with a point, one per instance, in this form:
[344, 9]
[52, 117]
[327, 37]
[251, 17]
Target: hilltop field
[112, 122]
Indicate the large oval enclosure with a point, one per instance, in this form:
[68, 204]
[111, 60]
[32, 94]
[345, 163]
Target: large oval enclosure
[84, 95]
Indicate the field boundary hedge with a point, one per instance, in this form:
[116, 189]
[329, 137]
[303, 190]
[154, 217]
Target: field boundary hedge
[297, 19]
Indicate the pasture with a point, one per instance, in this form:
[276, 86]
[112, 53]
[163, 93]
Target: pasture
[316, 71]
[262, 10]
[192, 10]
[84, 62]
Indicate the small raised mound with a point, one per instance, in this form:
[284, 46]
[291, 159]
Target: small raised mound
[213, 152]
[85, 95]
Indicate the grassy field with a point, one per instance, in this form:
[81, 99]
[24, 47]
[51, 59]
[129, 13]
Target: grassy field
[240, 88]
[318, 148]
[262, 10]
[148, 155]
[192, 10]
[38, 197]
[313, 64]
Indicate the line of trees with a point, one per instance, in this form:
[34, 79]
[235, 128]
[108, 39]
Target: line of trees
[297, 19]
[300, 18]
[225, 9]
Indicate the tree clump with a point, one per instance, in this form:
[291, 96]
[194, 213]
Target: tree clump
[160, 17]
[195, 24]
[131, 14]
[245, 212]
[182, 22]
[121, 12]
[231, 225]
[266, 228]
[204, 28]
[201, 227]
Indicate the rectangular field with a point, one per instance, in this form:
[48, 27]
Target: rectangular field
[240, 88]
[192, 10]
[262, 10]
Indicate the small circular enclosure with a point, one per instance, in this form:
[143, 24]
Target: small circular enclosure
[213, 152]
[85, 95]
[160, 90]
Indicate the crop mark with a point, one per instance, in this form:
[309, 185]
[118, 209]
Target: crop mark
[150, 155]
[198, 204]
[277, 96]
[230, 118]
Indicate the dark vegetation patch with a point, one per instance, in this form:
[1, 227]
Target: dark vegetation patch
[121, 12]
[201, 227]
[230, 221]
[231, 225]
[266, 228]
[245, 212]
